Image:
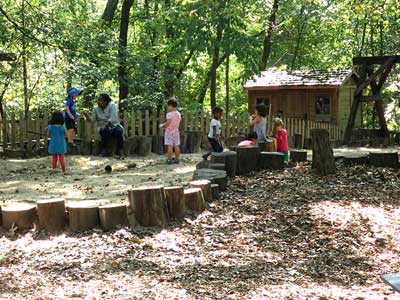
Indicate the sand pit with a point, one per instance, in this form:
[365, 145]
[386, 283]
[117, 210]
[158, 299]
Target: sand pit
[26, 181]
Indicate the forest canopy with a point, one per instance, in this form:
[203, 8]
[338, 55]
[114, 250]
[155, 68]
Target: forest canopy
[142, 52]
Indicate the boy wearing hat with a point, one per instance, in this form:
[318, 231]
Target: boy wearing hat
[70, 114]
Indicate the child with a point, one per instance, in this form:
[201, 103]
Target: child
[57, 145]
[172, 134]
[259, 122]
[281, 138]
[250, 140]
[215, 132]
[70, 114]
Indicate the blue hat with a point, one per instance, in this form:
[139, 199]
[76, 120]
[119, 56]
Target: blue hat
[74, 92]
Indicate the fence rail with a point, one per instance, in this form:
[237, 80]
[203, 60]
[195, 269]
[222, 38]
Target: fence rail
[15, 130]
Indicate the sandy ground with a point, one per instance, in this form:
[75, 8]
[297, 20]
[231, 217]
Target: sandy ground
[26, 181]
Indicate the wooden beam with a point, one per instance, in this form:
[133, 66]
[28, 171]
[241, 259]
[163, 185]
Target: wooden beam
[375, 60]
[8, 56]
[370, 98]
[384, 75]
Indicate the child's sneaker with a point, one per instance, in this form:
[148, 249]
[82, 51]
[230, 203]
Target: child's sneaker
[177, 161]
[169, 162]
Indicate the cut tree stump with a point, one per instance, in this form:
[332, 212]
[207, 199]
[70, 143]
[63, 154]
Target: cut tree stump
[247, 158]
[322, 154]
[271, 161]
[356, 159]
[51, 214]
[194, 200]
[191, 141]
[149, 206]
[298, 155]
[215, 190]
[144, 144]
[215, 176]
[83, 215]
[384, 159]
[270, 145]
[228, 158]
[21, 216]
[204, 164]
[1, 218]
[217, 166]
[298, 141]
[205, 186]
[112, 215]
[158, 145]
[262, 145]
[174, 196]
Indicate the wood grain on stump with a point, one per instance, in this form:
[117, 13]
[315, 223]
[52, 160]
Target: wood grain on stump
[112, 215]
[384, 159]
[270, 145]
[144, 144]
[247, 157]
[51, 214]
[215, 176]
[21, 216]
[205, 186]
[298, 155]
[194, 200]
[215, 191]
[149, 206]
[322, 154]
[175, 201]
[191, 141]
[83, 215]
[228, 158]
[158, 145]
[217, 166]
[271, 161]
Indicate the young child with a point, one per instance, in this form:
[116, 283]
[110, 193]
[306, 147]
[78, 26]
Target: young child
[57, 145]
[70, 113]
[172, 135]
[281, 138]
[215, 132]
[259, 122]
[251, 139]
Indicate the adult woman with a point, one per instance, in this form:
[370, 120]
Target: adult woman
[259, 122]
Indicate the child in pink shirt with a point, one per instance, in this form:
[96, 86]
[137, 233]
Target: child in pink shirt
[172, 135]
[251, 139]
[281, 138]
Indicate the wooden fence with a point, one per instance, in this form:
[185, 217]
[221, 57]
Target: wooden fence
[16, 130]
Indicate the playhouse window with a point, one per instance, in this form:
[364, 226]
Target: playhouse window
[323, 105]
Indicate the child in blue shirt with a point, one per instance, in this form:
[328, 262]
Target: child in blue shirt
[70, 114]
[57, 145]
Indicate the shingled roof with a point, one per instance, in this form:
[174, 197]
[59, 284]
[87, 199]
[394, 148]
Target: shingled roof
[274, 78]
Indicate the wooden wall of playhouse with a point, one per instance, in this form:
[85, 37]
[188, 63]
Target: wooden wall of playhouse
[15, 130]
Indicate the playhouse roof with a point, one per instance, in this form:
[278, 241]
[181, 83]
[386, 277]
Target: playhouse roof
[297, 78]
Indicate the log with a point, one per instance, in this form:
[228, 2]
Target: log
[270, 145]
[191, 141]
[144, 144]
[247, 157]
[360, 159]
[194, 200]
[174, 196]
[21, 216]
[228, 158]
[158, 145]
[205, 186]
[217, 166]
[215, 176]
[271, 161]
[384, 159]
[298, 155]
[112, 215]
[322, 154]
[51, 214]
[215, 191]
[149, 206]
[83, 215]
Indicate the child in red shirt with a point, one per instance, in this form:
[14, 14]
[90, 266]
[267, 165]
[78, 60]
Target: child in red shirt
[281, 138]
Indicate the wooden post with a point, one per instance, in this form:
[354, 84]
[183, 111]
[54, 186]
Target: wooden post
[194, 200]
[140, 123]
[147, 123]
[83, 216]
[205, 186]
[112, 215]
[21, 216]
[174, 196]
[149, 205]
[322, 154]
[51, 214]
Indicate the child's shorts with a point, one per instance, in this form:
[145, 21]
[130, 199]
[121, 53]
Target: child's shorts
[172, 138]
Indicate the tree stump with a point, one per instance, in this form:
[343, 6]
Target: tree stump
[271, 161]
[83, 216]
[191, 141]
[51, 214]
[158, 145]
[194, 200]
[361, 159]
[149, 206]
[215, 176]
[215, 191]
[174, 196]
[322, 154]
[205, 186]
[217, 166]
[247, 157]
[298, 155]
[144, 144]
[112, 215]
[270, 145]
[1, 218]
[204, 164]
[385, 159]
[21, 216]
[262, 145]
[228, 158]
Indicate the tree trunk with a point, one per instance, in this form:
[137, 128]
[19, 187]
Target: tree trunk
[227, 94]
[194, 200]
[51, 214]
[268, 36]
[122, 52]
[109, 11]
[24, 64]
[83, 216]
[175, 201]
[149, 206]
[299, 38]
[112, 215]
[205, 186]
[228, 158]
[215, 65]
[21, 216]
[322, 154]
